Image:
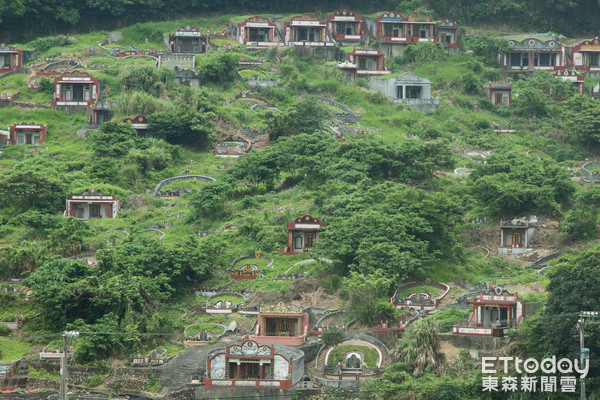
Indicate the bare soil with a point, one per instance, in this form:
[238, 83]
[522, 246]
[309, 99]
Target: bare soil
[303, 292]
[450, 351]
[260, 142]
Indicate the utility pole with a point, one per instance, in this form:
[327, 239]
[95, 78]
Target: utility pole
[64, 363]
[583, 352]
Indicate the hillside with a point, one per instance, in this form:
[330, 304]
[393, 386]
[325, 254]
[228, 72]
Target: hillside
[323, 194]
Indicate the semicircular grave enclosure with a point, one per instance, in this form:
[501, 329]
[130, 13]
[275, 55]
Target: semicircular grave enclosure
[353, 359]
[591, 171]
[232, 147]
[420, 296]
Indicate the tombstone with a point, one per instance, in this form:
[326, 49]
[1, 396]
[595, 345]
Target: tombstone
[23, 368]
[353, 362]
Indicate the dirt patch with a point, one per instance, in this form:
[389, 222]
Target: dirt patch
[534, 287]
[484, 235]
[225, 129]
[450, 351]
[303, 292]
[547, 236]
[260, 142]
[137, 201]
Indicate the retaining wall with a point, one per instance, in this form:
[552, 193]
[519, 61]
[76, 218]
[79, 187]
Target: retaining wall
[327, 53]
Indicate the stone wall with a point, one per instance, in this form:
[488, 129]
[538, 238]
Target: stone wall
[388, 338]
[423, 105]
[337, 384]
[347, 116]
[310, 351]
[478, 346]
[327, 53]
[16, 71]
[269, 259]
[380, 85]
[42, 383]
[204, 393]
[392, 50]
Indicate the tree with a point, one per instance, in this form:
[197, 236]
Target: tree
[424, 52]
[11, 7]
[209, 202]
[419, 348]
[114, 140]
[21, 259]
[185, 126]
[147, 79]
[513, 184]
[487, 48]
[532, 96]
[574, 287]
[256, 168]
[580, 221]
[363, 293]
[333, 336]
[96, 346]
[218, 68]
[132, 278]
[305, 116]
[68, 236]
[582, 116]
[23, 189]
[388, 227]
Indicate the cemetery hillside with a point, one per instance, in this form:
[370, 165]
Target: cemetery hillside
[299, 200]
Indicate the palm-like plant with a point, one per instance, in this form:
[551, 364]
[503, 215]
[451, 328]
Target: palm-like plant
[419, 348]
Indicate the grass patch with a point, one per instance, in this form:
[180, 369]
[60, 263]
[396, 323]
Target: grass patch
[96, 380]
[171, 348]
[261, 262]
[594, 168]
[13, 350]
[431, 290]
[532, 297]
[450, 317]
[337, 355]
[42, 373]
[249, 73]
[193, 329]
[231, 299]
[14, 306]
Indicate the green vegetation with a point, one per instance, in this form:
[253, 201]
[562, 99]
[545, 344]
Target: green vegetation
[453, 316]
[171, 348]
[153, 385]
[96, 380]
[193, 329]
[432, 291]
[13, 350]
[370, 354]
[231, 299]
[261, 262]
[333, 336]
[393, 208]
[249, 73]
[42, 373]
